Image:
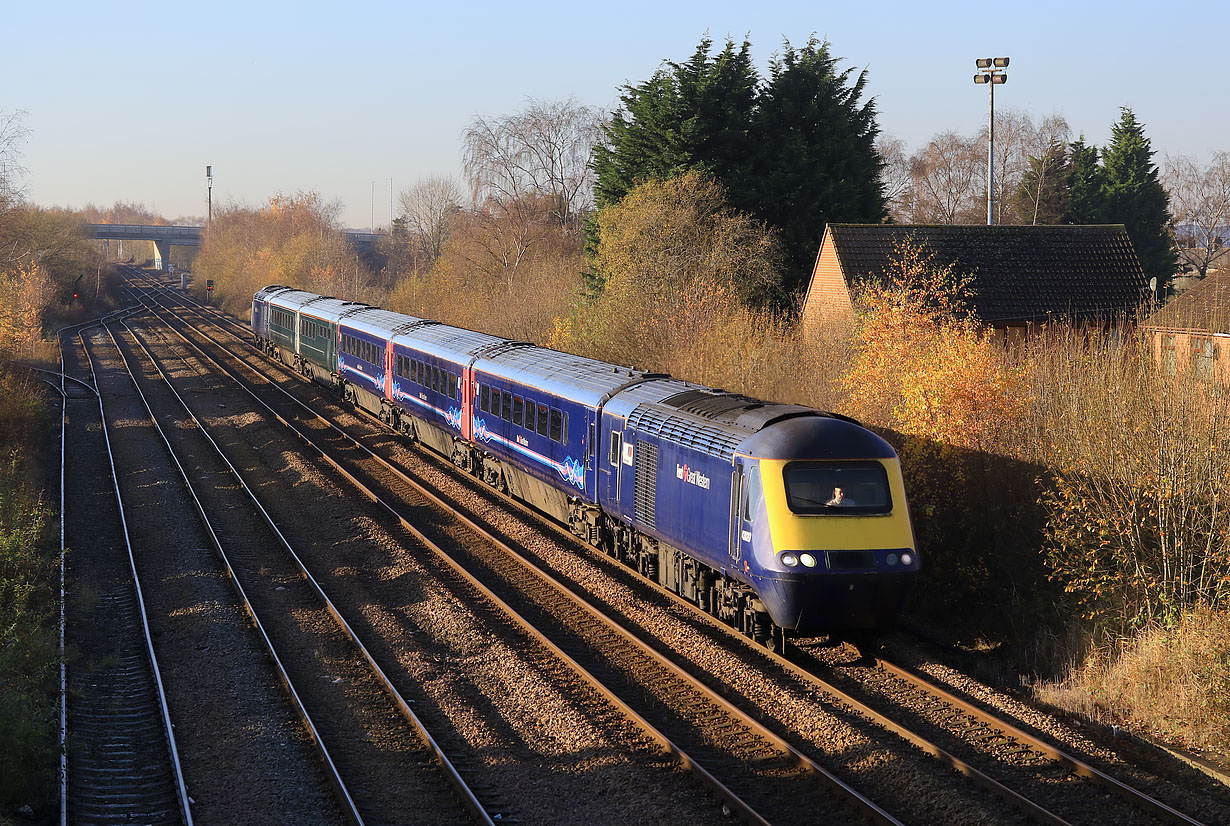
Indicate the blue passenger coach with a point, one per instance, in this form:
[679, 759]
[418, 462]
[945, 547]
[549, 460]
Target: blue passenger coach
[773, 517]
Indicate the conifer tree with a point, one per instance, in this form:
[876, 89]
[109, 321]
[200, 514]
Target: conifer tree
[1135, 197]
[795, 151]
[1085, 185]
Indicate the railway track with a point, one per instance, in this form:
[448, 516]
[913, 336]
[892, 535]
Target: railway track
[743, 760]
[120, 761]
[1008, 753]
[378, 759]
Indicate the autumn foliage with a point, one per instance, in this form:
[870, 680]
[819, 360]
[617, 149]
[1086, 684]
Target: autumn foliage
[293, 240]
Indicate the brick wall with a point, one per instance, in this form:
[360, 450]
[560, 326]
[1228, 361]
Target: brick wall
[828, 297]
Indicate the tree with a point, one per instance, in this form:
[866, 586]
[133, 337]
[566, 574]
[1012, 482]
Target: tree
[1200, 197]
[945, 179]
[427, 209]
[1039, 197]
[1085, 185]
[673, 252]
[693, 115]
[895, 179]
[1135, 197]
[541, 152]
[795, 151]
[816, 158]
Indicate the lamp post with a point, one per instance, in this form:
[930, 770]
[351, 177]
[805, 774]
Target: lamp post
[992, 75]
[209, 184]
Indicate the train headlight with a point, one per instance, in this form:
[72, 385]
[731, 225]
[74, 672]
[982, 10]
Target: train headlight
[789, 560]
[907, 558]
[808, 560]
[892, 560]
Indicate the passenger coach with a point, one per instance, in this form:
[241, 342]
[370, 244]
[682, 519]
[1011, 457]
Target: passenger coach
[773, 517]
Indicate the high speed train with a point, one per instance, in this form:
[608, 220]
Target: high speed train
[779, 519]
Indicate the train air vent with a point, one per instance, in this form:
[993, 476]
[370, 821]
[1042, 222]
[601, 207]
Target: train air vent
[850, 560]
[645, 485]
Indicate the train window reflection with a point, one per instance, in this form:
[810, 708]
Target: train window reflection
[837, 488]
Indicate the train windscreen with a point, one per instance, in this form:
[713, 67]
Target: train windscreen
[837, 488]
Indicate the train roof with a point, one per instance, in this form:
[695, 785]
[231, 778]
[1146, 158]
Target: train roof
[329, 309]
[377, 322]
[444, 341]
[723, 424]
[291, 299]
[577, 378]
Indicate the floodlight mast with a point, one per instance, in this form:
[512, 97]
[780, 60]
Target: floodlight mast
[992, 75]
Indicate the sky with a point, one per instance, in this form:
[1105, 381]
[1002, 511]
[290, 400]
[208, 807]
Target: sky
[129, 101]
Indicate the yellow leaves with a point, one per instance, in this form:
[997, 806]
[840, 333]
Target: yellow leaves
[29, 291]
[919, 356]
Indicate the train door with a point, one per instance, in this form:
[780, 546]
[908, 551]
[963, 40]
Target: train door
[467, 403]
[744, 493]
[611, 472]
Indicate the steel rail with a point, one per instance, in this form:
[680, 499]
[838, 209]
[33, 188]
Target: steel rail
[736, 803]
[181, 789]
[1137, 798]
[468, 798]
[349, 808]
[1020, 801]
[63, 660]
[797, 758]
[1079, 768]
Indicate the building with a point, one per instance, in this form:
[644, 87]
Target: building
[1192, 332]
[1022, 275]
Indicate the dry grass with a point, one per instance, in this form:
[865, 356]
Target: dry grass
[1170, 682]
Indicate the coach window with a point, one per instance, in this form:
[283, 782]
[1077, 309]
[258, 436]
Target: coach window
[495, 402]
[506, 407]
[557, 426]
[542, 420]
[484, 398]
[517, 410]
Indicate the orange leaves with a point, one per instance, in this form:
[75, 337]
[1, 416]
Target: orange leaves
[30, 291]
[922, 366]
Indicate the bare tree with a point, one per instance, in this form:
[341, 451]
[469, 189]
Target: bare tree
[945, 176]
[1200, 206]
[12, 133]
[895, 177]
[542, 151]
[427, 209]
[1017, 140]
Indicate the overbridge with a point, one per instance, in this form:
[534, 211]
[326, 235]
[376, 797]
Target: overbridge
[165, 236]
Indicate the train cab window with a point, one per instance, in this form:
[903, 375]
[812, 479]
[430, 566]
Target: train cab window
[484, 398]
[506, 407]
[543, 416]
[614, 447]
[837, 488]
[518, 408]
[557, 426]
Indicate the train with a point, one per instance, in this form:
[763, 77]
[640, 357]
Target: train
[779, 519]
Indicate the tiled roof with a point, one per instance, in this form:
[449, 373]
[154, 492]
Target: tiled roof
[1021, 273]
[1204, 307]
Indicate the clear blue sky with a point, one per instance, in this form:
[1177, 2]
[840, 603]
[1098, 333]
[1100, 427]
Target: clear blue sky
[130, 100]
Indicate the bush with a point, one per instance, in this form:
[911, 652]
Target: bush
[28, 640]
[1170, 681]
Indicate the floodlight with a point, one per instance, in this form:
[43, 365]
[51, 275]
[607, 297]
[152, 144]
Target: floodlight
[999, 79]
[1001, 62]
[983, 63]
[981, 78]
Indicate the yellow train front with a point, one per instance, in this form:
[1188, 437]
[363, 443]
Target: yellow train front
[824, 531]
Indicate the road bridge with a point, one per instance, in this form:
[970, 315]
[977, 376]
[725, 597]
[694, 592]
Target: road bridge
[165, 236]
